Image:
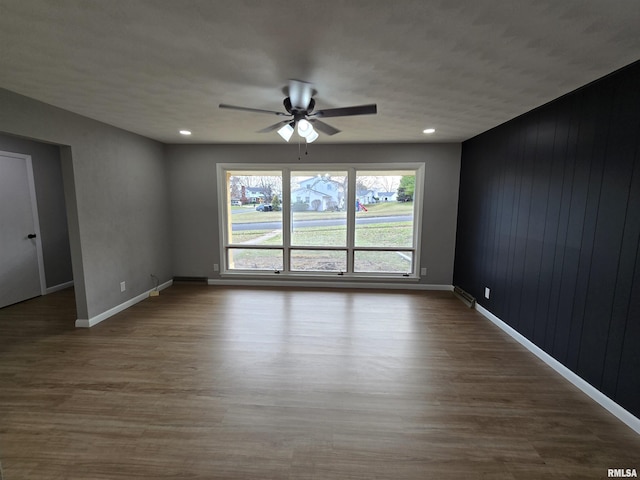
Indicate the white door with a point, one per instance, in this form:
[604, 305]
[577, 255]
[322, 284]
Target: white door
[21, 272]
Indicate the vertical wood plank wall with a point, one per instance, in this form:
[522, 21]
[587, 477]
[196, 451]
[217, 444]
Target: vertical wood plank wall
[549, 220]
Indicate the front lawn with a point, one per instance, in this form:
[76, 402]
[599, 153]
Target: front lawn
[395, 234]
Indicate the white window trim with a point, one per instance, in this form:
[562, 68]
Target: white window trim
[286, 169]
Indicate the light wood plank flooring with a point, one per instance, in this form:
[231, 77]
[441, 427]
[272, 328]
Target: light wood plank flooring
[258, 383]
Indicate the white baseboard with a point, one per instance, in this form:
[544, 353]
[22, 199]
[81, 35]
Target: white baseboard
[57, 288]
[254, 282]
[623, 415]
[86, 323]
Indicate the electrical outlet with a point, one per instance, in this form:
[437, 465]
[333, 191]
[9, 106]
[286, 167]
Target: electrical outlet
[123, 286]
[487, 292]
[423, 271]
[216, 267]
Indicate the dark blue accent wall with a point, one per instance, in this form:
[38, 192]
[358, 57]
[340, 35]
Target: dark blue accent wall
[549, 220]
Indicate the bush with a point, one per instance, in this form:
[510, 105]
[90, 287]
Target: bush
[299, 207]
[275, 202]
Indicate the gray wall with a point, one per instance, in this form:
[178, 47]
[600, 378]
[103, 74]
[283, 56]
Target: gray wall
[135, 207]
[47, 173]
[194, 198]
[115, 189]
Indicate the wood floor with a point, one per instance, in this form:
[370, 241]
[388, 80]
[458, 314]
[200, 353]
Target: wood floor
[229, 383]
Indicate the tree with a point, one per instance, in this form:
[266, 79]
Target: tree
[389, 183]
[406, 188]
[365, 183]
[275, 202]
[270, 186]
[235, 187]
[362, 187]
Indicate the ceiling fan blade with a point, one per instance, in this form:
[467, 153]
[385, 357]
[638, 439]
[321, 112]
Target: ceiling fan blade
[256, 110]
[275, 126]
[324, 127]
[347, 111]
[300, 94]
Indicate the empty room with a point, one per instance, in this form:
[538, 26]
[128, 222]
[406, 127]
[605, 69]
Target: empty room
[319, 240]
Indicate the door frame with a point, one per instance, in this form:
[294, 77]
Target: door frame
[34, 212]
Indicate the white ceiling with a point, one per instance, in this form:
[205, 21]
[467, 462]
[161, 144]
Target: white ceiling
[460, 66]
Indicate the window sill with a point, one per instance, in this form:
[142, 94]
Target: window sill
[324, 277]
[294, 280]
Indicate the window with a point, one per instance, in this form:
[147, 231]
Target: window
[384, 225]
[255, 224]
[321, 220]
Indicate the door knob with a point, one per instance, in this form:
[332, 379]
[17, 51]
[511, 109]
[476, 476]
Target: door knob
[31, 235]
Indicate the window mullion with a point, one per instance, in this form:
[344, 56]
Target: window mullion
[286, 218]
[351, 217]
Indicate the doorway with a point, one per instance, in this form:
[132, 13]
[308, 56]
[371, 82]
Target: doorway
[46, 180]
[21, 261]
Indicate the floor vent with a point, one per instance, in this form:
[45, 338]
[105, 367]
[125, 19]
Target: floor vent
[190, 280]
[466, 298]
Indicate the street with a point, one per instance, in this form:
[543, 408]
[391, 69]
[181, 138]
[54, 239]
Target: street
[319, 223]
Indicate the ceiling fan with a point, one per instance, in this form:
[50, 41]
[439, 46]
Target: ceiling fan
[299, 105]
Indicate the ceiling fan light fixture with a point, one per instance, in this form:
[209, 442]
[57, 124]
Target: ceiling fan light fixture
[312, 137]
[304, 128]
[286, 131]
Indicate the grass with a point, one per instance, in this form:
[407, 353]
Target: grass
[256, 259]
[395, 234]
[246, 236]
[387, 209]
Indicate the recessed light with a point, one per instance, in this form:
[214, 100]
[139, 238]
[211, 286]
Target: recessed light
[429, 130]
[185, 132]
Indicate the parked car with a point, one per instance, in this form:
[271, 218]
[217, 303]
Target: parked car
[236, 203]
[264, 207]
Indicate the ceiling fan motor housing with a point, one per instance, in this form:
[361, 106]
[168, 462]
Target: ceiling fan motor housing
[293, 111]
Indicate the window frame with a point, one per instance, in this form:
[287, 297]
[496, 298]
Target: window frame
[224, 198]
